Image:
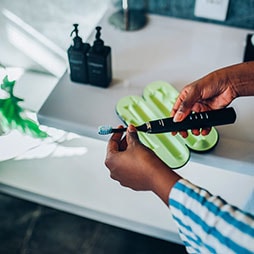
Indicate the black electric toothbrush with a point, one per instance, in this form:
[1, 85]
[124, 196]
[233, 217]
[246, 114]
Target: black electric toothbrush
[193, 121]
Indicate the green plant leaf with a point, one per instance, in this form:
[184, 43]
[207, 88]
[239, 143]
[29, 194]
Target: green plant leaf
[8, 85]
[12, 116]
[33, 128]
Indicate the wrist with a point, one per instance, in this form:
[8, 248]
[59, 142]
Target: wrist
[240, 79]
[163, 180]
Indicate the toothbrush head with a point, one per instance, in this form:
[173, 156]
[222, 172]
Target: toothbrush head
[104, 130]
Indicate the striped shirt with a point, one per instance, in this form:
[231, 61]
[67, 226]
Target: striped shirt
[208, 224]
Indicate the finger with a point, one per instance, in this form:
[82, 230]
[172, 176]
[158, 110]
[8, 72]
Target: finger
[132, 135]
[123, 144]
[182, 112]
[114, 142]
[175, 107]
[184, 103]
[195, 132]
[184, 134]
[205, 131]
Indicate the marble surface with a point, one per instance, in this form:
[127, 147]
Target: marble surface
[31, 228]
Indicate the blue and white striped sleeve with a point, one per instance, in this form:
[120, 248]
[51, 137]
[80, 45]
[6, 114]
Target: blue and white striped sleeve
[207, 223]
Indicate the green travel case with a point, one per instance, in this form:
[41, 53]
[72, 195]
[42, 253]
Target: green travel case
[157, 102]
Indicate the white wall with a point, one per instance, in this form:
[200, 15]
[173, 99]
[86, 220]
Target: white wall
[37, 32]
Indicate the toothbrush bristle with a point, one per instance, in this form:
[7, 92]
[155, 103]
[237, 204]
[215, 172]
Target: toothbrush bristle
[104, 130]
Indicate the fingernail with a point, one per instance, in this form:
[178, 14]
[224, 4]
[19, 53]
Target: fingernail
[178, 116]
[131, 128]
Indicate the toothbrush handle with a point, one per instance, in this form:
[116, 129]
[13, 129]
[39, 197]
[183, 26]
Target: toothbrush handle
[194, 121]
[118, 130]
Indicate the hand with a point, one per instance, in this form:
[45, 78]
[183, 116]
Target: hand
[198, 97]
[213, 91]
[137, 167]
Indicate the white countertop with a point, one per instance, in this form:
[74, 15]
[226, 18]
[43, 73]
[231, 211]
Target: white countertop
[173, 50]
[70, 174]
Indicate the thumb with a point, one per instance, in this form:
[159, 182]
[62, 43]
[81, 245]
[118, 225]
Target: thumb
[132, 135]
[185, 105]
[181, 113]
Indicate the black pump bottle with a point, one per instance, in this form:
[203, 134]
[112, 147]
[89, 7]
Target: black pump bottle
[77, 55]
[99, 62]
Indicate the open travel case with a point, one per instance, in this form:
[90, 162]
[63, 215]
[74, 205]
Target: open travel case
[157, 101]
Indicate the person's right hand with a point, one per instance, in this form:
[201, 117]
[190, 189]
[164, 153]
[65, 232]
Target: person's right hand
[213, 91]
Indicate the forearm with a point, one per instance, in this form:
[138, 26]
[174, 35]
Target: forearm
[163, 181]
[239, 78]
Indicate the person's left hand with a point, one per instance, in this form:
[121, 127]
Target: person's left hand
[136, 166]
[129, 161]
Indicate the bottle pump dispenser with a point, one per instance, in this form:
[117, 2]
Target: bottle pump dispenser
[99, 62]
[77, 55]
